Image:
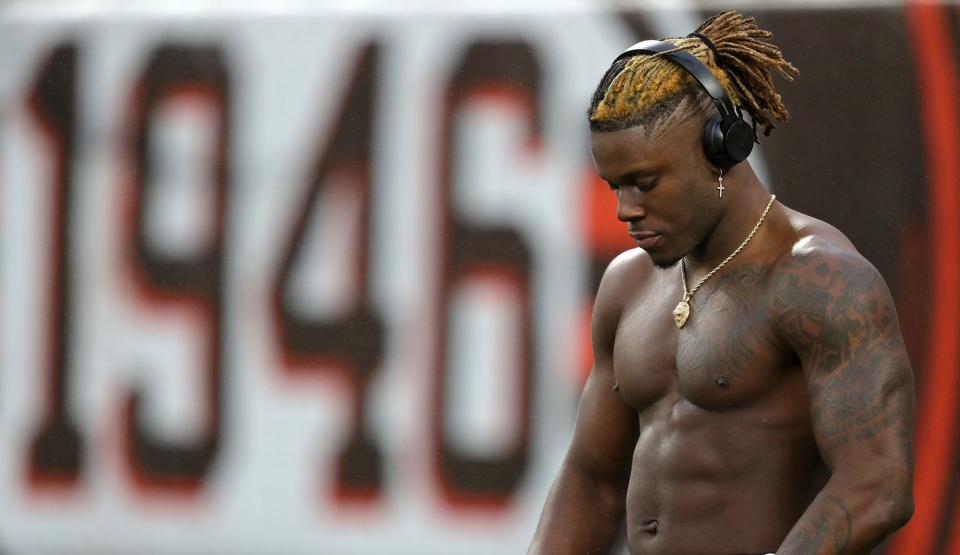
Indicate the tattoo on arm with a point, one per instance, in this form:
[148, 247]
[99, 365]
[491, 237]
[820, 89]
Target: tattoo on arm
[830, 526]
[838, 315]
[835, 312]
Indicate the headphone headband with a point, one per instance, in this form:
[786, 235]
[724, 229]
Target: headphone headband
[690, 63]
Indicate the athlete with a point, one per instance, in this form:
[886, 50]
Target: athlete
[751, 392]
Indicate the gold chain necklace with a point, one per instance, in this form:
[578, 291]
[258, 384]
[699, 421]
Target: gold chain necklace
[682, 312]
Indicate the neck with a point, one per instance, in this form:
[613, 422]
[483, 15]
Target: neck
[744, 199]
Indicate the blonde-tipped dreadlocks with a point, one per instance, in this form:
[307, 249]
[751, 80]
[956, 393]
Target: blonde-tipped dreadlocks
[651, 90]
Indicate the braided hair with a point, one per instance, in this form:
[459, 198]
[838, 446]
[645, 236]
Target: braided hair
[652, 91]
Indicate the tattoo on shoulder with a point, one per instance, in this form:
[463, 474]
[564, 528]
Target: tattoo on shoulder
[837, 314]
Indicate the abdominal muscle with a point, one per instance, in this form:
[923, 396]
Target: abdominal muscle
[718, 483]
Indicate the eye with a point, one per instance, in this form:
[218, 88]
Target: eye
[647, 185]
[643, 186]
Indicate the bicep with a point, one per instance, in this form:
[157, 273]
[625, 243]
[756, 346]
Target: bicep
[862, 407]
[605, 432]
[839, 317]
[606, 427]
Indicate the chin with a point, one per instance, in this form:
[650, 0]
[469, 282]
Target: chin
[664, 263]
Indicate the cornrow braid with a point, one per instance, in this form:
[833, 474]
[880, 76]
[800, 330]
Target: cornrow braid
[653, 91]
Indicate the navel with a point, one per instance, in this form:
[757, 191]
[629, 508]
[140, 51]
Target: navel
[649, 526]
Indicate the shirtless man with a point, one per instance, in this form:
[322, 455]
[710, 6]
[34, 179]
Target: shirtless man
[778, 417]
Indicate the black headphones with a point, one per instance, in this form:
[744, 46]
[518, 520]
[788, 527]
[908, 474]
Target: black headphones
[727, 138]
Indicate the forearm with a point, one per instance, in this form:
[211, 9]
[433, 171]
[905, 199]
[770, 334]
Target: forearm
[582, 515]
[848, 520]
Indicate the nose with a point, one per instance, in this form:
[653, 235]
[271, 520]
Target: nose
[630, 204]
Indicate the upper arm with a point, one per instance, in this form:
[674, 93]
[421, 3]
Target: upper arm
[606, 427]
[834, 310]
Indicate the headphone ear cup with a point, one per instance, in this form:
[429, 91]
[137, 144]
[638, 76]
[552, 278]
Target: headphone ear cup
[713, 143]
[727, 141]
[737, 141]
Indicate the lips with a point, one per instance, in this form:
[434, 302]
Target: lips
[645, 239]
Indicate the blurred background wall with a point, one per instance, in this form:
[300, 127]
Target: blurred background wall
[316, 277]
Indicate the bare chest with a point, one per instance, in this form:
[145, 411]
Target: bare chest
[724, 357]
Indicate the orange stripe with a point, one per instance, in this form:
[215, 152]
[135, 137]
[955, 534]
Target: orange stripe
[937, 401]
[606, 235]
[953, 545]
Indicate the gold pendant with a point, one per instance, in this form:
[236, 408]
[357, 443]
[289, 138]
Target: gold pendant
[681, 313]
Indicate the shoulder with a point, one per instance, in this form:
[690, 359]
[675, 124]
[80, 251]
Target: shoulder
[625, 273]
[626, 276]
[818, 254]
[820, 281]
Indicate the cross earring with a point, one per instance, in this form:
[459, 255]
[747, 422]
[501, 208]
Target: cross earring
[720, 187]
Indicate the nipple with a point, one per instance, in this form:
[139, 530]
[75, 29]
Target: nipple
[721, 382]
[616, 386]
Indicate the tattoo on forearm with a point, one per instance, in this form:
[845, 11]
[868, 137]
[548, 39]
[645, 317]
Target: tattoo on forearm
[831, 525]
